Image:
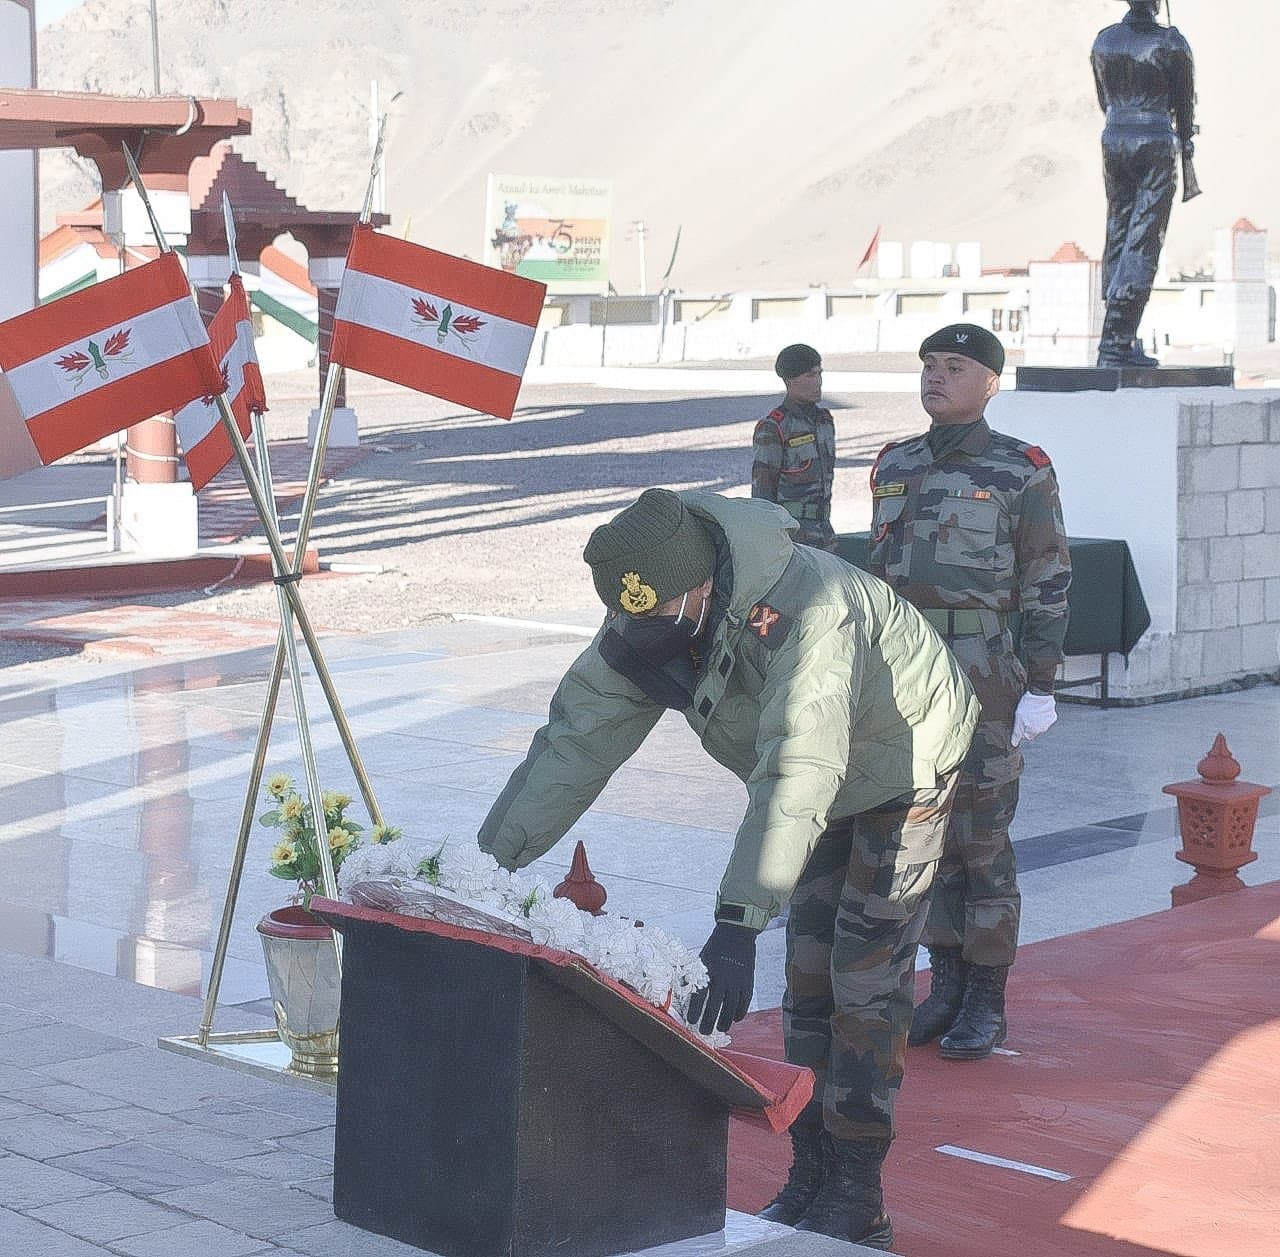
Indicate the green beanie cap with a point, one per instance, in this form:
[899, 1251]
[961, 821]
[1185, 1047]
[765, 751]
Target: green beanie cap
[653, 551]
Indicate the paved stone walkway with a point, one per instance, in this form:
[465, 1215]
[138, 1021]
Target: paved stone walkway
[110, 1146]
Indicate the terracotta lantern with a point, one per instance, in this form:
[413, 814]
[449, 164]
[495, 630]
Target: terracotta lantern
[1216, 816]
[580, 888]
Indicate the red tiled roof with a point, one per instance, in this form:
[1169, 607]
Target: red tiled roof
[1070, 252]
[248, 188]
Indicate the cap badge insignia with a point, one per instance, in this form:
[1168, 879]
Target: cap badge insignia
[636, 597]
[962, 338]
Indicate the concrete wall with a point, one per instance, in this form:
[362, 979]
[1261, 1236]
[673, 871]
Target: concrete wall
[19, 201]
[1060, 327]
[1116, 459]
[696, 327]
[1191, 479]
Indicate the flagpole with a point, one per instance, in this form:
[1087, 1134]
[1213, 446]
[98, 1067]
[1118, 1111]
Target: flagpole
[306, 514]
[284, 640]
[256, 770]
[242, 847]
[333, 374]
[286, 579]
[300, 546]
[285, 647]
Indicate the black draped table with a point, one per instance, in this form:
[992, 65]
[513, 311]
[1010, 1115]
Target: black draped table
[1108, 611]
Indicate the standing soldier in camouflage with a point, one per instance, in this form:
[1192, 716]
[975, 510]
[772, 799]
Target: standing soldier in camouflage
[847, 720]
[966, 525]
[794, 449]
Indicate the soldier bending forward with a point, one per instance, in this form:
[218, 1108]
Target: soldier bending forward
[847, 719]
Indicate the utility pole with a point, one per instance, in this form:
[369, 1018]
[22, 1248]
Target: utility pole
[155, 48]
[640, 231]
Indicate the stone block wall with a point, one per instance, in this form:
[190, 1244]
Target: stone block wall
[1228, 556]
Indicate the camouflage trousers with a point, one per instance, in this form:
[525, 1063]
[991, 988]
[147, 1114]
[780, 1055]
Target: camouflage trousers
[976, 903]
[852, 934]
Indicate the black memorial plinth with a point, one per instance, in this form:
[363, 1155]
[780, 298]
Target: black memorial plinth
[1110, 379]
[501, 1099]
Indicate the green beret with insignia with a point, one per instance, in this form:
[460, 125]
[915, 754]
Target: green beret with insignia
[969, 341]
[653, 551]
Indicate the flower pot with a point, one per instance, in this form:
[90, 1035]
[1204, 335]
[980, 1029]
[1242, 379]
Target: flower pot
[302, 971]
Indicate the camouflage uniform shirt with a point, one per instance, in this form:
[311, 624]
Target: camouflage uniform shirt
[980, 529]
[794, 463]
[978, 532]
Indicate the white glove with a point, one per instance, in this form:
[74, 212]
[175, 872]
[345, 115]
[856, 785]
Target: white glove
[1035, 714]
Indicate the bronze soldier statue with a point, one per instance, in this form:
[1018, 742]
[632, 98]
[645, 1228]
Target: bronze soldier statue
[1145, 81]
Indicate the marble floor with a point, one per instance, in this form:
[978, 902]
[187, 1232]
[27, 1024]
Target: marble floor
[124, 784]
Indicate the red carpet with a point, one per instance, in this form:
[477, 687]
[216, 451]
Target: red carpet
[1149, 1071]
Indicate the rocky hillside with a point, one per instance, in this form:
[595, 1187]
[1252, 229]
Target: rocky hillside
[779, 136]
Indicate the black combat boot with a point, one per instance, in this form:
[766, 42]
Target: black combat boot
[936, 1013]
[980, 1028]
[850, 1203]
[1119, 326]
[1139, 358]
[797, 1194]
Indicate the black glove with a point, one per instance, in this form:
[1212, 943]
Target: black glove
[730, 957]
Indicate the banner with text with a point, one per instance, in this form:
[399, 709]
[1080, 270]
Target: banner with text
[555, 231]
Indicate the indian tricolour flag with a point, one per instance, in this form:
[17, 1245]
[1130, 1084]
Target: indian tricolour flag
[206, 447]
[436, 323]
[99, 360]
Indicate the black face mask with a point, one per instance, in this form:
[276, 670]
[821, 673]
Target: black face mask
[652, 652]
[656, 638]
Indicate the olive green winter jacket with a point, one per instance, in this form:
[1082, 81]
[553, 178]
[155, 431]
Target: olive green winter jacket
[820, 688]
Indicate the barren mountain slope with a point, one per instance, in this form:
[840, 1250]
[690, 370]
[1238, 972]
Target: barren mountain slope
[778, 135]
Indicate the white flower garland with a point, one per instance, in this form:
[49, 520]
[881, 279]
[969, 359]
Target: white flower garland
[645, 958]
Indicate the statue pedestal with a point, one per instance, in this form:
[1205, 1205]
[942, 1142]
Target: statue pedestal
[499, 1097]
[1110, 379]
[1187, 476]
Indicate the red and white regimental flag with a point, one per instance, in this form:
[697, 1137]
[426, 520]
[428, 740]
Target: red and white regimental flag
[435, 323]
[205, 443]
[99, 360]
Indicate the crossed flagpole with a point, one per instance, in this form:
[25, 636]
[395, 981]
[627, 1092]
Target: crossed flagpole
[288, 573]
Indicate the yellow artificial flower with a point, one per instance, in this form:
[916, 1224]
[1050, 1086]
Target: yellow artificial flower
[338, 838]
[283, 853]
[384, 833]
[279, 785]
[334, 801]
[292, 808]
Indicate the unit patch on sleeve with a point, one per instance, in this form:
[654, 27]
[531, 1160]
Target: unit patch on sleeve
[891, 489]
[768, 625]
[875, 467]
[806, 439]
